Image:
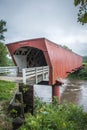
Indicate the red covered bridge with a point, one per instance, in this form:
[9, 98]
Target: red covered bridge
[42, 52]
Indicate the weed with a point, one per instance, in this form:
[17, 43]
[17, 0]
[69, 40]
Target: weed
[56, 117]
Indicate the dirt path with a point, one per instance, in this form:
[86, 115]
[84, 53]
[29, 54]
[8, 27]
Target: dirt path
[11, 78]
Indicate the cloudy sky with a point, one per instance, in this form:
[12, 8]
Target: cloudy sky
[53, 19]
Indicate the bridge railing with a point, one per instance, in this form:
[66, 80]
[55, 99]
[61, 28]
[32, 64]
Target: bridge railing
[35, 72]
[9, 70]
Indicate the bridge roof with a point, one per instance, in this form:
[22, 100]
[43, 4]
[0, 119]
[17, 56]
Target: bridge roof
[60, 60]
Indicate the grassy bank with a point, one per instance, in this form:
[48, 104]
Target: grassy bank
[80, 74]
[56, 117]
[7, 90]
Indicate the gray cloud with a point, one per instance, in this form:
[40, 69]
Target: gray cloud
[53, 19]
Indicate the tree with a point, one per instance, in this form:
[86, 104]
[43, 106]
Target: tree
[4, 60]
[3, 55]
[66, 47]
[3, 49]
[2, 29]
[82, 14]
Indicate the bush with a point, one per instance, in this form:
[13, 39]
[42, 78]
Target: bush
[80, 74]
[56, 117]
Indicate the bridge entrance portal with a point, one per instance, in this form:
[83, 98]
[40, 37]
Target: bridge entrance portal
[26, 57]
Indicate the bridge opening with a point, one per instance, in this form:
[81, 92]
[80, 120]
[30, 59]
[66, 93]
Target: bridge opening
[26, 57]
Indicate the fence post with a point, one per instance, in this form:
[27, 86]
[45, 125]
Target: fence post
[24, 75]
[36, 80]
[5, 69]
[48, 72]
[17, 70]
[43, 72]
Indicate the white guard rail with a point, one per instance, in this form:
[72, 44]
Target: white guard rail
[9, 69]
[34, 72]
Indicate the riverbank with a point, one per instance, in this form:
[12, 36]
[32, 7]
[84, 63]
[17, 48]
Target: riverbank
[7, 90]
[79, 74]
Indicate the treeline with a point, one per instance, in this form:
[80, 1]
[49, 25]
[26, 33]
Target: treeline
[4, 55]
[84, 58]
[79, 74]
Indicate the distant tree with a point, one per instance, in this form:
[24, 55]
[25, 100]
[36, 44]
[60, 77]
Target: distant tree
[66, 47]
[85, 59]
[3, 55]
[82, 14]
[2, 29]
[3, 49]
[4, 60]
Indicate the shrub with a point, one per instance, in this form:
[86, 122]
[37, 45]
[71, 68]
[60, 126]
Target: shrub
[56, 117]
[80, 74]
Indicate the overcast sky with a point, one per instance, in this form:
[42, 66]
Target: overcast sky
[54, 19]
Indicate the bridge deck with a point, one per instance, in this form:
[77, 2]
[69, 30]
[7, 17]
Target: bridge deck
[32, 75]
[20, 79]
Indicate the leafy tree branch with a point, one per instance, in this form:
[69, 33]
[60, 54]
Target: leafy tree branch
[82, 14]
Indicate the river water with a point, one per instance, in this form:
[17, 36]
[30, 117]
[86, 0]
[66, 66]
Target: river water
[74, 91]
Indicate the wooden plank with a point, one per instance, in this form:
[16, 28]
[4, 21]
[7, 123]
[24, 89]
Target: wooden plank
[35, 72]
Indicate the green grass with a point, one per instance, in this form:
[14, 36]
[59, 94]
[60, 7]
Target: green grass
[6, 90]
[85, 64]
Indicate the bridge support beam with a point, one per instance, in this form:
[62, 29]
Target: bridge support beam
[56, 92]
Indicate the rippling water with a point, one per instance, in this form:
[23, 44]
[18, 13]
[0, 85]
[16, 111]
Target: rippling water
[74, 91]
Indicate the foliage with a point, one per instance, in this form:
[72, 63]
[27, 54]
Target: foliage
[56, 117]
[80, 74]
[85, 59]
[82, 14]
[2, 29]
[6, 90]
[3, 50]
[3, 55]
[66, 47]
[13, 113]
[4, 60]
[10, 62]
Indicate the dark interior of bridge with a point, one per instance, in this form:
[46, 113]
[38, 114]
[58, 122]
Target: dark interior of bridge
[34, 57]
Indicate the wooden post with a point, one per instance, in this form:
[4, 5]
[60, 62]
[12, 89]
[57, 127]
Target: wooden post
[43, 72]
[24, 75]
[36, 75]
[17, 70]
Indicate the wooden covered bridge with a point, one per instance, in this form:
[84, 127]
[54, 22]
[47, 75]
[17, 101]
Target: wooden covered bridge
[33, 54]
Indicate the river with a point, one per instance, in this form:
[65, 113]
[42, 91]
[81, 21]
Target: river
[74, 91]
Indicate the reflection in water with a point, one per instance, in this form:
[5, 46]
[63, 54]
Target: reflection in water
[75, 91]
